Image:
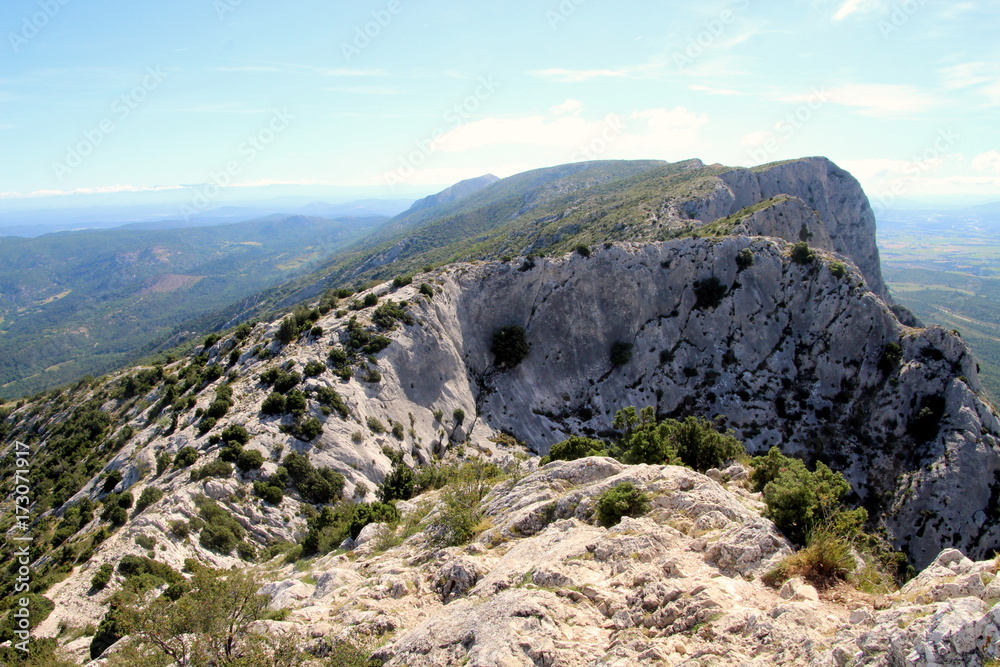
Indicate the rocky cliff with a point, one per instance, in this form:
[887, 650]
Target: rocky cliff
[790, 348]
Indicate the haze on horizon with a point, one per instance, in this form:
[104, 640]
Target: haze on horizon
[203, 103]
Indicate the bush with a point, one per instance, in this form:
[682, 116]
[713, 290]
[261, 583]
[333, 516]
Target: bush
[798, 501]
[314, 368]
[583, 250]
[577, 447]
[744, 258]
[215, 468]
[386, 316]
[329, 397]
[316, 485]
[619, 501]
[338, 356]
[235, 433]
[708, 293]
[693, 442]
[112, 480]
[274, 404]
[149, 495]
[185, 457]
[270, 493]
[288, 330]
[824, 563]
[102, 577]
[701, 447]
[426, 290]
[510, 346]
[838, 269]
[802, 253]
[459, 416]
[218, 408]
[309, 430]
[398, 484]
[401, 281]
[621, 353]
[206, 425]
[222, 533]
[249, 459]
[295, 402]
[892, 355]
[375, 426]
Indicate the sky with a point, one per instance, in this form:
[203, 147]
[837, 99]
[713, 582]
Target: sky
[204, 101]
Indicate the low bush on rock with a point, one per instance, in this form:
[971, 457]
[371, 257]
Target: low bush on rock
[620, 501]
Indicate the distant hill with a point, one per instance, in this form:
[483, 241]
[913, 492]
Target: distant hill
[77, 303]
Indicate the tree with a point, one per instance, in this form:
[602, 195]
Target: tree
[209, 625]
[510, 346]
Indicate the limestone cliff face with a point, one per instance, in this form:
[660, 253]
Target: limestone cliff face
[792, 356]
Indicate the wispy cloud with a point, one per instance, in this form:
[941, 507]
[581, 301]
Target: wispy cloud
[877, 100]
[846, 9]
[580, 75]
[106, 189]
[288, 68]
[364, 90]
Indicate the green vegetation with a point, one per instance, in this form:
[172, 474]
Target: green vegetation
[709, 293]
[620, 501]
[510, 346]
[802, 253]
[149, 495]
[205, 621]
[315, 485]
[72, 309]
[621, 353]
[693, 442]
[576, 447]
[221, 533]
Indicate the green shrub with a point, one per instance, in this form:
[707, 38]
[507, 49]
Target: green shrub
[214, 468]
[235, 433]
[329, 397]
[102, 577]
[401, 281]
[288, 330]
[222, 533]
[462, 517]
[621, 353]
[802, 253]
[295, 402]
[218, 408]
[892, 355]
[370, 300]
[398, 484]
[375, 426]
[459, 416]
[338, 356]
[583, 250]
[744, 258]
[163, 462]
[386, 316]
[316, 485]
[274, 404]
[426, 290]
[577, 447]
[620, 500]
[314, 368]
[798, 501]
[510, 346]
[708, 293]
[826, 562]
[309, 429]
[249, 459]
[112, 480]
[270, 493]
[185, 457]
[149, 495]
[206, 425]
[838, 269]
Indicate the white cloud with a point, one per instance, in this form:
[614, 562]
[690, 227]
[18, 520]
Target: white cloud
[874, 99]
[714, 91]
[989, 162]
[964, 75]
[105, 189]
[570, 106]
[579, 75]
[853, 7]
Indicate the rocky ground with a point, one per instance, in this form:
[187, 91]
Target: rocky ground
[681, 585]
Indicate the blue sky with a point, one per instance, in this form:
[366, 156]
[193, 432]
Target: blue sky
[202, 100]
